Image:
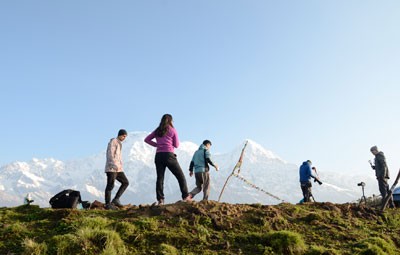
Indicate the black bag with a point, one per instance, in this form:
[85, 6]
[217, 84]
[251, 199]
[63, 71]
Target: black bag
[66, 199]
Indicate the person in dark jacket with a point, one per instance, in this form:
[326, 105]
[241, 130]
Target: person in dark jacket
[305, 180]
[200, 161]
[382, 173]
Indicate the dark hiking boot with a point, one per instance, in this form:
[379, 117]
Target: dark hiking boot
[188, 198]
[116, 202]
[110, 207]
[86, 204]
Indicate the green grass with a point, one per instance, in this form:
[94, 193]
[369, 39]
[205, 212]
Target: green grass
[202, 228]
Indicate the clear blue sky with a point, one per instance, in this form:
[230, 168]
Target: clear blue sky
[312, 80]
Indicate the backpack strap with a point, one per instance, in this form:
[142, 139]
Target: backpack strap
[205, 161]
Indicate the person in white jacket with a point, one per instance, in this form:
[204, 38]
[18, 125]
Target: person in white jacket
[114, 170]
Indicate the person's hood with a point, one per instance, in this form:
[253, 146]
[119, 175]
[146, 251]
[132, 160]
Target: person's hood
[380, 155]
[202, 147]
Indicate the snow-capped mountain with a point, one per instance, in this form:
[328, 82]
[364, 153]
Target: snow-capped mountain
[43, 178]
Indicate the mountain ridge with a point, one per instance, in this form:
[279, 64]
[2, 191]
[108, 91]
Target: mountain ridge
[45, 177]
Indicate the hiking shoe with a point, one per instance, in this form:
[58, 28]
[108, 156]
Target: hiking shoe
[110, 207]
[116, 202]
[161, 202]
[85, 204]
[188, 198]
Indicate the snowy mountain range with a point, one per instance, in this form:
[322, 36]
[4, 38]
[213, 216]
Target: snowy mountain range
[43, 178]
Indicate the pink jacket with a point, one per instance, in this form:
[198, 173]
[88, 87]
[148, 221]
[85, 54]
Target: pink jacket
[167, 143]
[114, 156]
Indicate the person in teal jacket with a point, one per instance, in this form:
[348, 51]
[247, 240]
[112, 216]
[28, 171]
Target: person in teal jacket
[199, 163]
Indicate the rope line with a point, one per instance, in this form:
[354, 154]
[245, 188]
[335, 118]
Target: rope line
[256, 187]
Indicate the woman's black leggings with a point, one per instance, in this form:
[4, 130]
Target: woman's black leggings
[164, 160]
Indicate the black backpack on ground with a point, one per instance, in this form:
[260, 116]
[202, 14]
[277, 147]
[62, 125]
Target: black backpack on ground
[66, 199]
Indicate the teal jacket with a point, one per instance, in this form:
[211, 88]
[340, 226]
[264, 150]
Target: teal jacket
[200, 160]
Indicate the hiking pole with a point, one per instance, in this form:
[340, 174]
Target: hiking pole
[311, 195]
[237, 166]
[386, 199]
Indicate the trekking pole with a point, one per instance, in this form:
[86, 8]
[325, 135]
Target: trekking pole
[237, 166]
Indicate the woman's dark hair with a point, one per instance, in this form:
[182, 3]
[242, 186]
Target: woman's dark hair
[165, 123]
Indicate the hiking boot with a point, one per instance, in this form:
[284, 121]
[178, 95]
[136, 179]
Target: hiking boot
[116, 202]
[161, 202]
[85, 204]
[188, 198]
[110, 207]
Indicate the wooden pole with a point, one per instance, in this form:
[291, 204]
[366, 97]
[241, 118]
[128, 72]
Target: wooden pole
[237, 166]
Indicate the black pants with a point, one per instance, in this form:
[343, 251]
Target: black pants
[164, 160]
[306, 188]
[384, 190]
[111, 177]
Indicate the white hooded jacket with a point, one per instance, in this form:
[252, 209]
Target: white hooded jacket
[114, 156]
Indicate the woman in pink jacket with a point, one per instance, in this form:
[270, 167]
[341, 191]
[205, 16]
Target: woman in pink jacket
[166, 140]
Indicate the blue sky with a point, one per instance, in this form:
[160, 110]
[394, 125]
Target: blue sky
[312, 80]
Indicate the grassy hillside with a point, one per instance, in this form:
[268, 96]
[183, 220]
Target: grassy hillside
[202, 228]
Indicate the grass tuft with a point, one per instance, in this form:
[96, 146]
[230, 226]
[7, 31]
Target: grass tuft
[33, 248]
[166, 249]
[376, 246]
[286, 242]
